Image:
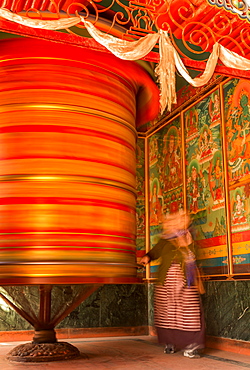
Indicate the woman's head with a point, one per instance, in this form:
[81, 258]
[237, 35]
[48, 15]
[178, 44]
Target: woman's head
[176, 221]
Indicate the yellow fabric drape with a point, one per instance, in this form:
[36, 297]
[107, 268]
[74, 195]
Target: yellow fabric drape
[169, 59]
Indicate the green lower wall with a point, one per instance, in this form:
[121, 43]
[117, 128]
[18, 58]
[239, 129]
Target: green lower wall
[109, 306]
[226, 306]
[227, 309]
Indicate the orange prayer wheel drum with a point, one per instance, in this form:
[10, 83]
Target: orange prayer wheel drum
[67, 162]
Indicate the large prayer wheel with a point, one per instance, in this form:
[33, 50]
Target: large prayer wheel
[67, 162]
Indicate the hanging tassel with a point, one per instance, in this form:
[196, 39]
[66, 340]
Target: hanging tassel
[165, 72]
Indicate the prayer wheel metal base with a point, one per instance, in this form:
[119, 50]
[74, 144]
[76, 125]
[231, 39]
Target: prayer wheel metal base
[46, 352]
[44, 347]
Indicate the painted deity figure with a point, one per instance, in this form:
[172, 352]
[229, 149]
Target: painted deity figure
[214, 110]
[191, 123]
[195, 194]
[155, 207]
[205, 143]
[139, 185]
[244, 133]
[195, 190]
[245, 110]
[140, 221]
[172, 163]
[153, 151]
[239, 210]
[140, 157]
[238, 135]
[217, 175]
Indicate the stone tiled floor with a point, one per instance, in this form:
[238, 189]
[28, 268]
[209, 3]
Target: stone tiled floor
[131, 353]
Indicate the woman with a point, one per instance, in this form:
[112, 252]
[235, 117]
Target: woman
[177, 306]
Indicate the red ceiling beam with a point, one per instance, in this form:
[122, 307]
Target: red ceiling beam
[65, 38]
[90, 43]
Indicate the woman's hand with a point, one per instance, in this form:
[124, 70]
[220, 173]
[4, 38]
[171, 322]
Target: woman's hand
[144, 260]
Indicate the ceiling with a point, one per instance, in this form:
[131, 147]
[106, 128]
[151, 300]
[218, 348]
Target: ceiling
[193, 25]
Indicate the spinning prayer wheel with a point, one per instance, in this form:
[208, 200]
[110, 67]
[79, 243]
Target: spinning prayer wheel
[67, 169]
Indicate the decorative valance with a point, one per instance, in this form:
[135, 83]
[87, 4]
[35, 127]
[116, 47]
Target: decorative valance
[169, 59]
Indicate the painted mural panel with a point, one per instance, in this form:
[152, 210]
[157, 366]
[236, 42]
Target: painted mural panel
[237, 121]
[165, 177]
[205, 183]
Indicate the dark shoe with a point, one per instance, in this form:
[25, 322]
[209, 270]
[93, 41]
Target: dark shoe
[169, 349]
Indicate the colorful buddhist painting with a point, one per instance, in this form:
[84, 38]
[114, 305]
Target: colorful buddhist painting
[165, 172]
[140, 203]
[237, 121]
[237, 116]
[165, 177]
[205, 178]
[239, 214]
[205, 183]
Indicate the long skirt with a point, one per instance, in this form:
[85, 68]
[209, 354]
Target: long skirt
[178, 313]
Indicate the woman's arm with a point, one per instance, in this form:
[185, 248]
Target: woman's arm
[144, 260]
[154, 253]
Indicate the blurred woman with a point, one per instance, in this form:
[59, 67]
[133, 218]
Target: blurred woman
[178, 313]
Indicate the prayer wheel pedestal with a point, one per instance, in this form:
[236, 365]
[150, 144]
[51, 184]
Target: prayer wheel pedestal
[43, 352]
[44, 347]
